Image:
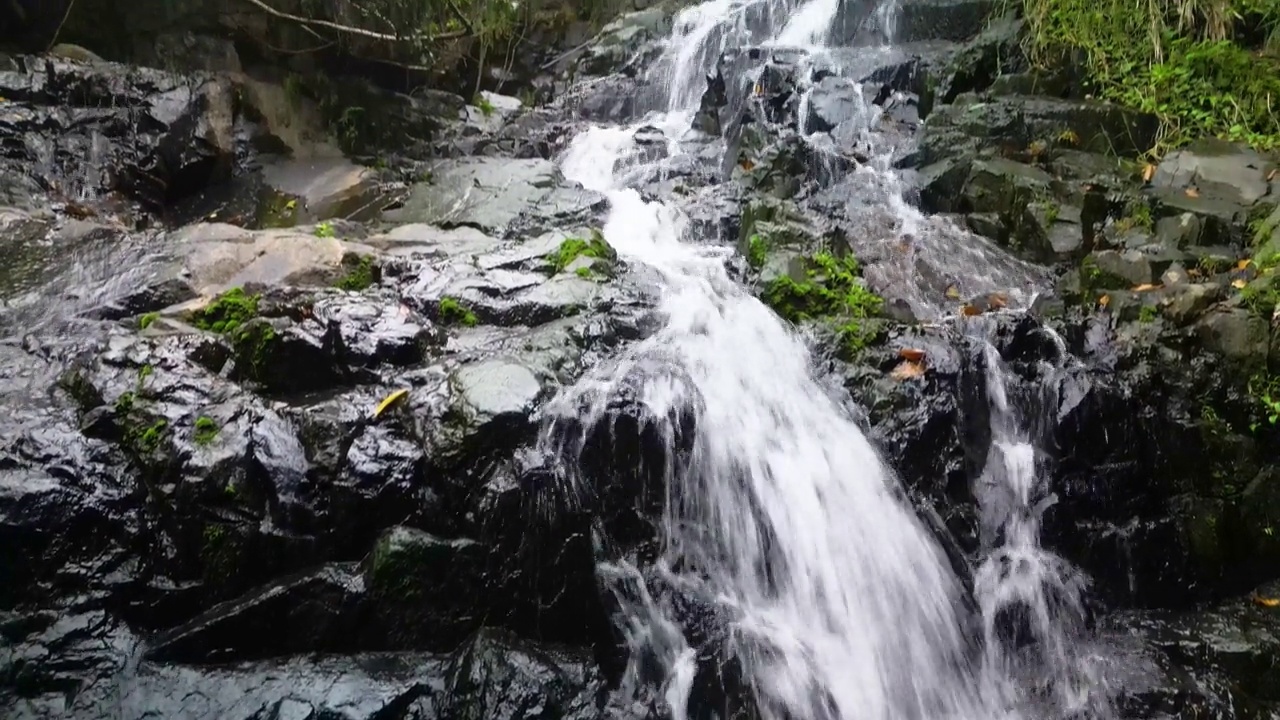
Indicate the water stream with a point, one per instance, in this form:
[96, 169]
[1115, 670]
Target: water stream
[784, 516]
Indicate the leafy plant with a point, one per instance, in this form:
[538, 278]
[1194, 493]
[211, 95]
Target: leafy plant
[453, 312]
[324, 230]
[832, 293]
[1186, 61]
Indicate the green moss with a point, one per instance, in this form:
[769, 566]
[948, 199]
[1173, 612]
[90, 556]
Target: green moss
[1199, 65]
[573, 248]
[148, 441]
[206, 430]
[453, 312]
[147, 319]
[757, 251]
[359, 277]
[482, 102]
[124, 403]
[1147, 314]
[227, 311]
[830, 292]
[323, 230]
[1137, 215]
[583, 272]
[252, 344]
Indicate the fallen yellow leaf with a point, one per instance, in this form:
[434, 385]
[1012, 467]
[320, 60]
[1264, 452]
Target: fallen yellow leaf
[907, 370]
[388, 401]
[759, 89]
[1266, 602]
[969, 310]
[911, 354]
[746, 164]
[1244, 263]
[1144, 287]
[1238, 284]
[1148, 172]
[1104, 301]
[1193, 193]
[953, 292]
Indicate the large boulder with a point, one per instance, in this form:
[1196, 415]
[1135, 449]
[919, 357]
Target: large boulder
[85, 129]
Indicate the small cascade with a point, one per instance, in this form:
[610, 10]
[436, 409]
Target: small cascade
[780, 515]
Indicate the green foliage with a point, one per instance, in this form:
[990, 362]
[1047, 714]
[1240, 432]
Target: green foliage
[485, 107]
[1265, 392]
[1193, 63]
[831, 292]
[1147, 314]
[573, 248]
[145, 321]
[323, 230]
[206, 430]
[227, 311]
[583, 272]
[359, 277]
[453, 312]
[252, 343]
[757, 251]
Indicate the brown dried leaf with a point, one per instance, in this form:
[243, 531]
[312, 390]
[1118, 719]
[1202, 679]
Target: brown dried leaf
[1144, 287]
[1104, 301]
[998, 301]
[746, 164]
[1192, 192]
[1270, 176]
[1244, 263]
[1148, 172]
[969, 310]
[1266, 602]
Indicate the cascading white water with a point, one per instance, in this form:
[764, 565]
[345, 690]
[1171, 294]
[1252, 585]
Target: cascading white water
[1031, 599]
[842, 605]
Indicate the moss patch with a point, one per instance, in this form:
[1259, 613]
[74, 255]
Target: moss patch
[252, 343]
[227, 311]
[757, 251]
[206, 430]
[359, 276]
[453, 312]
[147, 319]
[573, 248]
[829, 290]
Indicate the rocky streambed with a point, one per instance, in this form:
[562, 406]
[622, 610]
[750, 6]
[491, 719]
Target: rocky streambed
[276, 440]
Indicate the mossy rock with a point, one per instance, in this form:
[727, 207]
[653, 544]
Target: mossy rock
[826, 289]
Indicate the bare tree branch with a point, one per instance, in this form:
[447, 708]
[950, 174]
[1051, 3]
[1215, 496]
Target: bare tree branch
[349, 29]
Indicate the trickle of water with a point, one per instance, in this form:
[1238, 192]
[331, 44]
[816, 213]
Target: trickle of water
[1032, 600]
[783, 516]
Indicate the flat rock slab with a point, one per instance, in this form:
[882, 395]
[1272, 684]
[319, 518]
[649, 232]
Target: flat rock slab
[325, 188]
[492, 194]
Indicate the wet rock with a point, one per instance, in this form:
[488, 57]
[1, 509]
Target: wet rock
[208, 258]
[500, 676]
[426, 592]
[497, 196]
[315, 190]
[622, 40]
[314, 612]
[85, 129]
[366, 686]
[832, 101]
[1236, 173]
[916, 20]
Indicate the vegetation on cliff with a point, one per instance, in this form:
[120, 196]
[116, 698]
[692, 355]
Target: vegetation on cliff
[1205, 67]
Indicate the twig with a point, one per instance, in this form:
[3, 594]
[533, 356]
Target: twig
[347, 28]
[66, 14]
